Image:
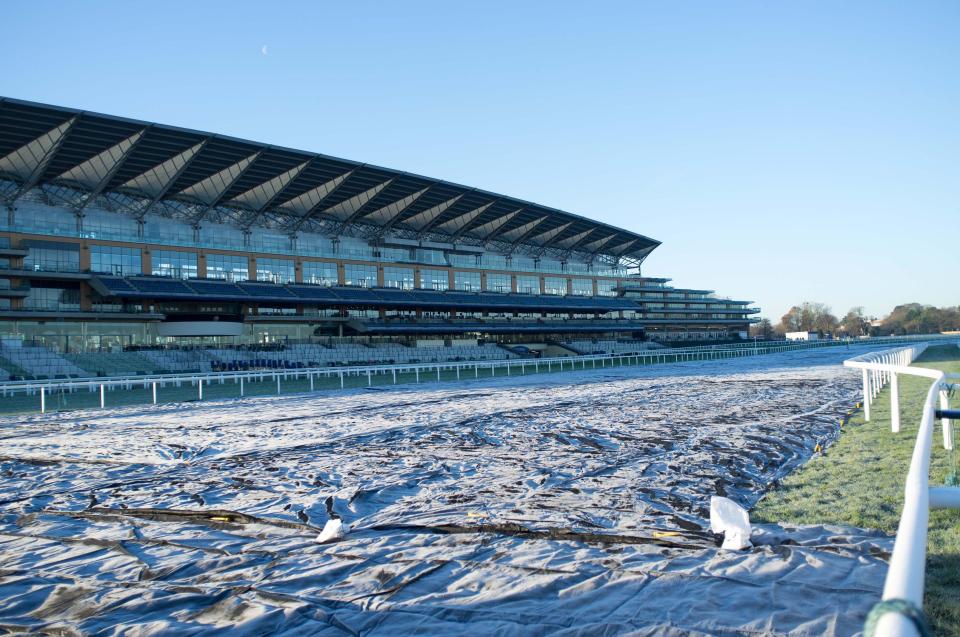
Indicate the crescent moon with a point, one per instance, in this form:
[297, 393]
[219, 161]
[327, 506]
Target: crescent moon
[263, 49]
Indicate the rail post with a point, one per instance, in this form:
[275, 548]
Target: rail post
[241, 387]
[43, 400]
[154, 392]
[103, 397]
[866, 395]
[894, 403]
[200, 388]
[945, 422]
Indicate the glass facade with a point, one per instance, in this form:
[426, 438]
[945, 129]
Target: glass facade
[35, 216]
[275, 270]
[49, 256]
[398, 278]
[174, 263]
[53, 299]
[582, 287]
[528, 284]
[364, 276]
[435, 280]
[554, 285]
[319, 273]
[466, 281]
[117, 260]
[606, 287]
[228, 267]
[499, 283]
[464, 260]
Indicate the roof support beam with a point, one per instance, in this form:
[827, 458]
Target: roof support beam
[485, 231]
[457, 225]
[196, 150]
[47, 154]
[111, 171]
[318, 198]
[285, 180]
[352, 208]
[244, 166]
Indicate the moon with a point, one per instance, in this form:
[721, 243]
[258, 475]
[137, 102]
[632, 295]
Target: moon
[263, 49]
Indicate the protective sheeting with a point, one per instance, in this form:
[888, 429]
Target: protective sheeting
[571, 504]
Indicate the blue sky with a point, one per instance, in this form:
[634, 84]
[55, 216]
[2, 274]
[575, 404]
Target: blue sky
[781, 151]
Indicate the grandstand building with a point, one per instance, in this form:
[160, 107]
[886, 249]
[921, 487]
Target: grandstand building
[119, 233]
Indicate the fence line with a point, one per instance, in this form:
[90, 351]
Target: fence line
[421, 371]
[905, 577]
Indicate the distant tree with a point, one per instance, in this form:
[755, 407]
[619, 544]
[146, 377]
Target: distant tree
[809, 317]
[762, 329]
[914, 318]
[854, 323]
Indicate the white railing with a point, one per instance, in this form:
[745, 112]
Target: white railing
[905, 577]
[389, 374]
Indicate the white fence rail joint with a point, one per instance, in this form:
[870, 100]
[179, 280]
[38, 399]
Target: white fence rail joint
[903, 588]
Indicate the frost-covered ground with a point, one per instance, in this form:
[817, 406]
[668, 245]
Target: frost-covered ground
[569, 504]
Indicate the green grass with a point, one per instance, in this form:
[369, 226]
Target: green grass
[860, 482]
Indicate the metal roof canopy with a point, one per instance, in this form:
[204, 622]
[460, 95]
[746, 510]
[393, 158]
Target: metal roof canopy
[192, 176]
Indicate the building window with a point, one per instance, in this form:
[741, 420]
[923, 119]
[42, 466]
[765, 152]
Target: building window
[320, 273]
[181, 265]
[115, 260]
[53, 299]
[228, 267]
[466, 281]
[606, 287]
[364, 276]
[499, 283]
[398, 278]
[464, 260]
[47, 256]
[583, 287]
[528, 284]
[435, 280]
[554, 285]
[275, 270]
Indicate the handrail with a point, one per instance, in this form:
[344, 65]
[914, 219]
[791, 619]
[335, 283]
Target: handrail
[753, 346]
[905, 576]
[311, 374]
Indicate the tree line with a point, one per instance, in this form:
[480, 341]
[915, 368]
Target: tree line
[909, 318]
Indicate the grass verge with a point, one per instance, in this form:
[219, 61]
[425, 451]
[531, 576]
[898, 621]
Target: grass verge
[860, 480]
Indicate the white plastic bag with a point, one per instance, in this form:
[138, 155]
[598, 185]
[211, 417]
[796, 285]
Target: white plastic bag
[332, 531]
[731, 519]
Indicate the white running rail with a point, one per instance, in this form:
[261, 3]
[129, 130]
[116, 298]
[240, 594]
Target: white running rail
[905, 577]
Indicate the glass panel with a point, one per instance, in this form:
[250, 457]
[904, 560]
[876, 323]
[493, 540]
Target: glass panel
[228, 267]
[320, 273]
[499, 283]
[398, 278]
[528, 284]
[117, 260]
[435, 279]
[52, 257]
[175, 263]
[583, 287]
[275, 270]
[554, 285]
[360, 275]
[468, 281]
